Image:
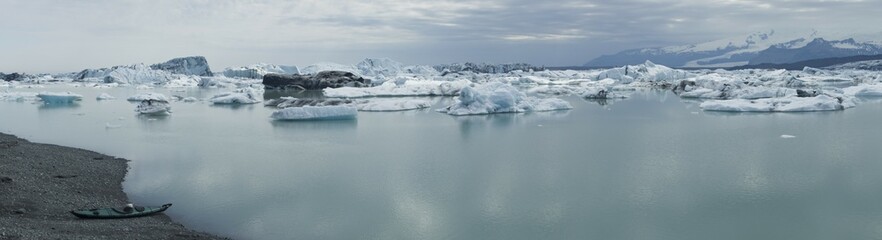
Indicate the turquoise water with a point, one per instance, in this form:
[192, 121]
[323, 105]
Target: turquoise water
[649, 167]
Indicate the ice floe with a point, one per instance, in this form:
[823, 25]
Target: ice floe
[390, 105]
[104, 96]
[59, 97]
[148, 96]
[153, 107]
[783, 104]
[316, 113]
[240, 96]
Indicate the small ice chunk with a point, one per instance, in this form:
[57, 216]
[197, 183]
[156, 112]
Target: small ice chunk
[316, 113]
[787, 136]
[153, 107]
[240, 96]
[393, 105]
[112, 126]
[104, 96]
[148, 96]
[59, 97]
[190, 99]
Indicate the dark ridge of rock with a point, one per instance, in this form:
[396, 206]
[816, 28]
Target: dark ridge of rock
[485, 68]
[194, 65]
[318, 81]
[12, 76]
[286, 102]
[807, 93]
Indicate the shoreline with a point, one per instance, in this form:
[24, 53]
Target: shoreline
[41, 183]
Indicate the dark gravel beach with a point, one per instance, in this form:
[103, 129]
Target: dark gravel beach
[41, 183]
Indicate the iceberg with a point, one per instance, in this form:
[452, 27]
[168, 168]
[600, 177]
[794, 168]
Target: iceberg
[256, 71]
[59, 97]
[496, 97]
[240, 96]
[148, 96]
[153, 107]
[646, 72]
[407, 88]
[783, 104]
[134, 74]
[600, 93]
[194, 65]
[379, 67]
[104, 96]
[864, 90]
[18, 96]
[392, 105]
[316, 113]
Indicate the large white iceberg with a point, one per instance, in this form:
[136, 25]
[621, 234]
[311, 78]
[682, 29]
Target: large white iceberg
[784, 104]
[389, 105]
[59, 97]
[646, 72]
[399, 89]
[864, 90]
[496, 97]
[316, 113]
[260, 69]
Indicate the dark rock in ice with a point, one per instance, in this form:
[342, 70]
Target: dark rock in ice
[318, 81]
[485, 68]
[680, 88]
[807, 93]
[285, 102]
[195, 65]
[64, 176]
[5, 179]
[19, 211]
[12, 76]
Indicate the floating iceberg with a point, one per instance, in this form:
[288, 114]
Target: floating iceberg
[864, 90]
[496, 97]
[104, 96]
[240, 96]
[784, 104]
[59, 97]
[407, 88]
[646, 72]
[153, 107]
[393, 105]
[379, 67]
[17, 96]
[600, 93]
[316, 113]
[148, 96]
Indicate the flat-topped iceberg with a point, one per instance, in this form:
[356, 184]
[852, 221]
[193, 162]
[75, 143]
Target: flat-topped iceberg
[496, 97]
[59, 97]
[864, 90]
[341, 112]
[400, 89]
[784, 104]
[389, 105]
[328, 66]
[646, 72]
[148, 96]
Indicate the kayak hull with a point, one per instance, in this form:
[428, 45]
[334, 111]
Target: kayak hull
[108, 213]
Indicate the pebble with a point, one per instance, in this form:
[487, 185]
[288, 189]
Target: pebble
[5, 179]
[19, 211]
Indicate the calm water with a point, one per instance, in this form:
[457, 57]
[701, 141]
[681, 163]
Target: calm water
[649, 167]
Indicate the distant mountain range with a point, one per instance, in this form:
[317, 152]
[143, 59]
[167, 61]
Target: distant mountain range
[758, 48]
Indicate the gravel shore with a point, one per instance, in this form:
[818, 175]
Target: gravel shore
[41, 183]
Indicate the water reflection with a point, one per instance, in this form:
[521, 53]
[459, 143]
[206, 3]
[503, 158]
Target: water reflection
[52, 106]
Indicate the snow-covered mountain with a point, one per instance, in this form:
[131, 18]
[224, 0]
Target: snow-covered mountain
[761, 47]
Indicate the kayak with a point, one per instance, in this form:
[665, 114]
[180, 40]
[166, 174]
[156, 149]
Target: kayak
[126, 212]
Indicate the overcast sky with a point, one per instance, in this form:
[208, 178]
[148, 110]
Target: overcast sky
[69, 35]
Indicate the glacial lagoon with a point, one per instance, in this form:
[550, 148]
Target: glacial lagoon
[652, 166]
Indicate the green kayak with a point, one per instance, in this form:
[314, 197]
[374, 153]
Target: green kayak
[126, 212]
